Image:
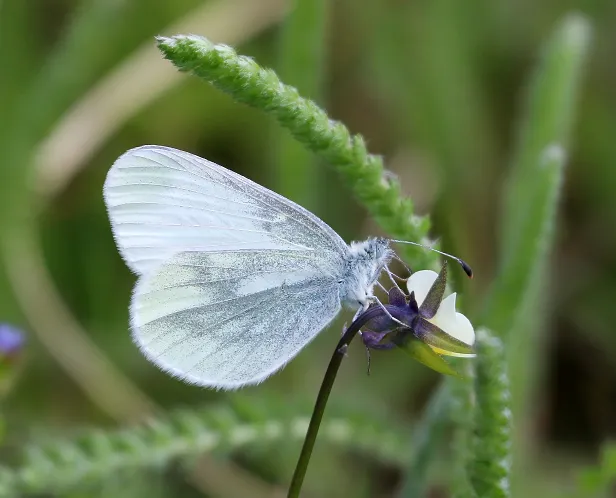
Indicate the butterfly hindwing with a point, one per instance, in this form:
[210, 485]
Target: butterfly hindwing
[232, 318]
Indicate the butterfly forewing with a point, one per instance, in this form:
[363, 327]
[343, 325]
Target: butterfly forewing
[163, 201]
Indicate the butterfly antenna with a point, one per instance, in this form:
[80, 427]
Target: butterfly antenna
[465, 266]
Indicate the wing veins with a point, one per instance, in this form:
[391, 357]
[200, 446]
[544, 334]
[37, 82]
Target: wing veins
[212, 353]
[201, 306]
[239, 178]
[237, 277]
[251, 351]
[175, 343]
[269, 234]
[136, 184]
[231, 340]
[205, 248]
[207, 210]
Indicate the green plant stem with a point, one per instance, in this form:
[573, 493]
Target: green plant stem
[547, 118]
[247, 82]
[317, 415]
[326, 388]
[319, 407]
[516, 304]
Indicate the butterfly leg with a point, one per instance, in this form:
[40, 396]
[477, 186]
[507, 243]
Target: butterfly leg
[382, 287]
[372, 340]
[391, 277]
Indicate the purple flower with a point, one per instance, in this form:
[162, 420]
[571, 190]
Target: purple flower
[426, 326]
[11, 340]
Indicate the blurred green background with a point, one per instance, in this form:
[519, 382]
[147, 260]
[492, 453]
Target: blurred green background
[435, 86]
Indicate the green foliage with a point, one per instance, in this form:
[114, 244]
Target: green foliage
[61, 465]
[546, 124]
[599, 481]
[532, 197]
[427, 436]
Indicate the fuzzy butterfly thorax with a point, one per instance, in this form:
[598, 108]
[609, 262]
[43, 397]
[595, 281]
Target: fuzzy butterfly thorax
[362, 268]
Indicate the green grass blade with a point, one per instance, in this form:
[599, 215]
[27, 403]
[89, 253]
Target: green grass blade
[546, 122]
[71, 66]
[532, 194]
[531, 203]
[524, 270]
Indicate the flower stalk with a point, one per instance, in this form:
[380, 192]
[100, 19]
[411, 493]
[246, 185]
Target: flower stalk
[403, 323]
[324, 392]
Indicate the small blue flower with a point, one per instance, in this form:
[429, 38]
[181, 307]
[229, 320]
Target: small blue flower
[11, 340]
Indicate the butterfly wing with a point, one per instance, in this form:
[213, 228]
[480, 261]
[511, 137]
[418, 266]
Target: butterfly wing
[227, 319]
[163, 201]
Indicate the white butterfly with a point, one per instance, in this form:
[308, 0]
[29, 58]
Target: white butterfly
[234, 279]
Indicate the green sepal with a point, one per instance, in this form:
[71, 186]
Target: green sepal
[420, 351]
[439, 339]
[433, 300]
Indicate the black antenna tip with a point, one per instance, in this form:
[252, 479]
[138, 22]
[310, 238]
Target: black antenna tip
[466, 267]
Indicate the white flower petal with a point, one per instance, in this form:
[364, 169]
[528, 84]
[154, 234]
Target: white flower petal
[447, 309]
[420, 282]
[453, 323]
